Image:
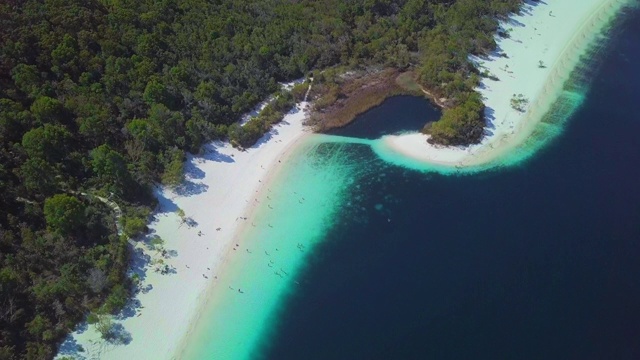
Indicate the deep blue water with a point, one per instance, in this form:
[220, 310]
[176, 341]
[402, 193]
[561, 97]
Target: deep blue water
[397, 115]
[541, 261]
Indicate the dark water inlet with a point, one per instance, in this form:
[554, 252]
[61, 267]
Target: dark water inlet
[397, 114]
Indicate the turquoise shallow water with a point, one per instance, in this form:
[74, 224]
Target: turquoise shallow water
[551, 126]
[295, 215]
[326, 189]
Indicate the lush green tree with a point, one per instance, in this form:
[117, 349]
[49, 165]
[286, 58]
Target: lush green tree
[14, 120]
[38, 176]
[48, 142]
[117, 299]
[65, 55]
[27, 79]
[64, 213]
[38, 325]
[460, 125]
[174, 171]
[111, 169]
[134, 226]
[46, 109]
[154, 92]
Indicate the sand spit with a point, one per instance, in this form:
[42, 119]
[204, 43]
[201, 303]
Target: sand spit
[545, 45]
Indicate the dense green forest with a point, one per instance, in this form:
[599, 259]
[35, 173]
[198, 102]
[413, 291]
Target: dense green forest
[104, 97]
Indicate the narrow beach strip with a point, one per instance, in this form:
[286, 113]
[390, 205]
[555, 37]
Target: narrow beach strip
[545, 45]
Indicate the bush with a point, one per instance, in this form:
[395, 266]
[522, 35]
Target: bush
[104, 325]
[48, 335]
[134, 226]
[247, 135]
[460, 125]
[156, 242]
[328, 99]
[64, 213]
[284, 102]
[116, 300]
[92, 318]
[299, 90]
[174, 170]
[519, 102]
[38, 325]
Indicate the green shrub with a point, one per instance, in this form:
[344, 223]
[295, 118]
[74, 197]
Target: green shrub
[116, 300]
[174, 169]
[92, 318]
[64, 213]
[134, 226]
[104, 325]
[299, 90]
[460, 125]
[247, 135]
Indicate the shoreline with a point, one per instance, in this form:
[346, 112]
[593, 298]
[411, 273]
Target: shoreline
[295, 212]
[556, 34]
[211, 198]
[239, 232]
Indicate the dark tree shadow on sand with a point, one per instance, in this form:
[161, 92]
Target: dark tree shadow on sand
[118, 335]
[190, 188]
[139, 264]
[193, 172]
[165, 204]
[129, 310]
[211, 153]
[70, 347]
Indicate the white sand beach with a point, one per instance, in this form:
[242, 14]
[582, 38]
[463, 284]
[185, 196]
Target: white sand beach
[554, 33]
[219, 192]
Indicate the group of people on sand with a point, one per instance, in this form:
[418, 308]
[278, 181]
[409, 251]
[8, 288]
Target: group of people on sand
[271, 263]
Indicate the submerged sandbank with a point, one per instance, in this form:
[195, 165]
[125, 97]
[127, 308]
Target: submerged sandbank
[545, 45]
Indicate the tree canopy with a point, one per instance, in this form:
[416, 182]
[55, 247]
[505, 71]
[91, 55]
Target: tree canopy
[63, 213]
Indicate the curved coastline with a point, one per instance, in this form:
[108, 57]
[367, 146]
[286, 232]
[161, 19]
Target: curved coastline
[555, 33]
